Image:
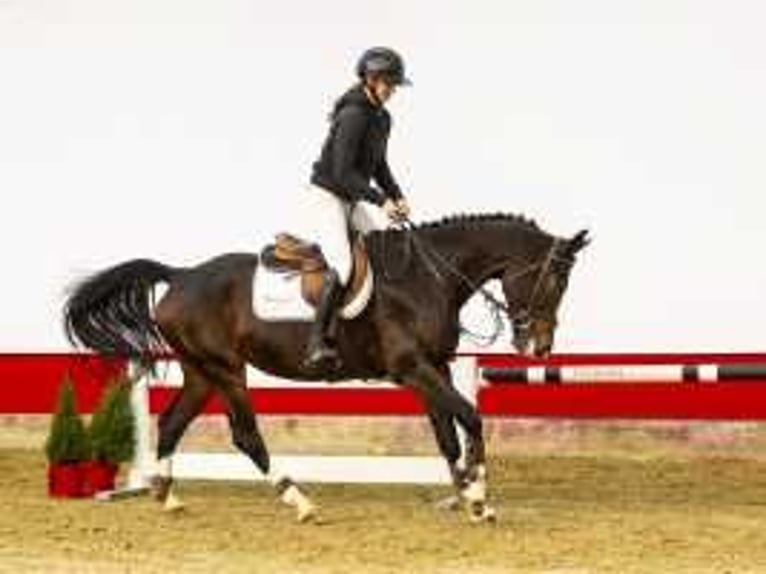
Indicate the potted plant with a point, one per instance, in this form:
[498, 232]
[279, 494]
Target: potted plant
[67, 446]
[112, 436]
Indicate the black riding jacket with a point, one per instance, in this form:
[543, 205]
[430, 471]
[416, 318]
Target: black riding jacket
[354, 152]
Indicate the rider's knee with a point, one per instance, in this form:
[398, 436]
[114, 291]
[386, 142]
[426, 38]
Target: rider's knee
[342, 269]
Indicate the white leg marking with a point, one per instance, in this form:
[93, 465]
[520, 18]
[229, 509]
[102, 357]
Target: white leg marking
[165, 470]
[292, 496]
[173, 503]
[165, 467]
[476, 491]
[475, 495]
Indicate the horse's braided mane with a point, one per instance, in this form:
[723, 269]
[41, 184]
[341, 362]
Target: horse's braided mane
[468, 220]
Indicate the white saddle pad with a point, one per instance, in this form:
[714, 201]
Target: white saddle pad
[277, 297]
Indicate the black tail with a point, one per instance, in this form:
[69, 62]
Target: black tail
[110, 312]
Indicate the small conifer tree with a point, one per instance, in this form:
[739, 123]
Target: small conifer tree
[67, 439]
[112, 428]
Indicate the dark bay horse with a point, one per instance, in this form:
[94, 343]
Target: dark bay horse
[407, 333]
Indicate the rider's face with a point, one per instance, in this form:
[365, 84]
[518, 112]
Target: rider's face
[382, 88]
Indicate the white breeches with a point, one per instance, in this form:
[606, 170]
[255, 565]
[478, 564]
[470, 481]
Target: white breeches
[323, 218]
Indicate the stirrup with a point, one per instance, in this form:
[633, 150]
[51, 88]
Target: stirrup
[321, 356]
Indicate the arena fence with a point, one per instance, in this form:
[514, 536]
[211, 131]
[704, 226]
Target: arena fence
[633, 386]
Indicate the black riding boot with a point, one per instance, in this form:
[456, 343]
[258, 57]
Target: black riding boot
[319, 351]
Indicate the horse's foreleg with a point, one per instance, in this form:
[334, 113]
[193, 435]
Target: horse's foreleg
[447, 440]
[449, 445]
[247, 438]
[444, 403]
[172, 424]
[445, 431]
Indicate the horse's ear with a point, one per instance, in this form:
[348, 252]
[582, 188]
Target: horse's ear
[577, 242]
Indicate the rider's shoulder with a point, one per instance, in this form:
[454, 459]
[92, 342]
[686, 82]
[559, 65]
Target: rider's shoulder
[354, 104]
[349, 111]
[352, 117]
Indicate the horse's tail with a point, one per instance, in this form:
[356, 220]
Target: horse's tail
[110, 312]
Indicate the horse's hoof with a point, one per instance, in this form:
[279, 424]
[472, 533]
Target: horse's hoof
[160, 487]
[173, 505]
[483, 514]
[309, 513]
[176, 508]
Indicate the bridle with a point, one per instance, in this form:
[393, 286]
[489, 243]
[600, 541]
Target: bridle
[526, 316]
[522, 319]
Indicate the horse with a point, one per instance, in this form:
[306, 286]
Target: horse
[407, 333]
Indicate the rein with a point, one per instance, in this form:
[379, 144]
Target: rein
[519, 320]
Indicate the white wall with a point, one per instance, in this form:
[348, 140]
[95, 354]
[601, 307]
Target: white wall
[178, 129]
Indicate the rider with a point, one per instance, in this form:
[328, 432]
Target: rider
[340, 195]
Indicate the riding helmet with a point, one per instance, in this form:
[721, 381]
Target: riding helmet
[384, 61]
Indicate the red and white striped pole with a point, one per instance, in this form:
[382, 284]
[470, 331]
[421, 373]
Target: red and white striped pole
[681, 373]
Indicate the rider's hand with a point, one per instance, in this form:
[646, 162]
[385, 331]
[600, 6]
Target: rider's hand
[403, 208]
[392, 210]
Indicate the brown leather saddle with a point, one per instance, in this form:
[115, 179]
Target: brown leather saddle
[292, 255]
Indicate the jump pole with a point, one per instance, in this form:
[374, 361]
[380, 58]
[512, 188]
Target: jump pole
[594, 374]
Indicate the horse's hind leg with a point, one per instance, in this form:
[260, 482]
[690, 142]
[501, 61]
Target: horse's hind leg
[247, 438]
[172, 424]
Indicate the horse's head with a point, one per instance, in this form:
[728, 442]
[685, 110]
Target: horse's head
[533, 295]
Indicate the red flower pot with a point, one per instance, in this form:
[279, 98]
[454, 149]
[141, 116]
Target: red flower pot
[99, 476]
[65, 480]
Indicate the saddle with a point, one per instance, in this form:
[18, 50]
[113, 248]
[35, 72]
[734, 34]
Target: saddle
[292, 255]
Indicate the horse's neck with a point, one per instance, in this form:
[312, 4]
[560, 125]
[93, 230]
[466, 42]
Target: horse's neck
[480, 255]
